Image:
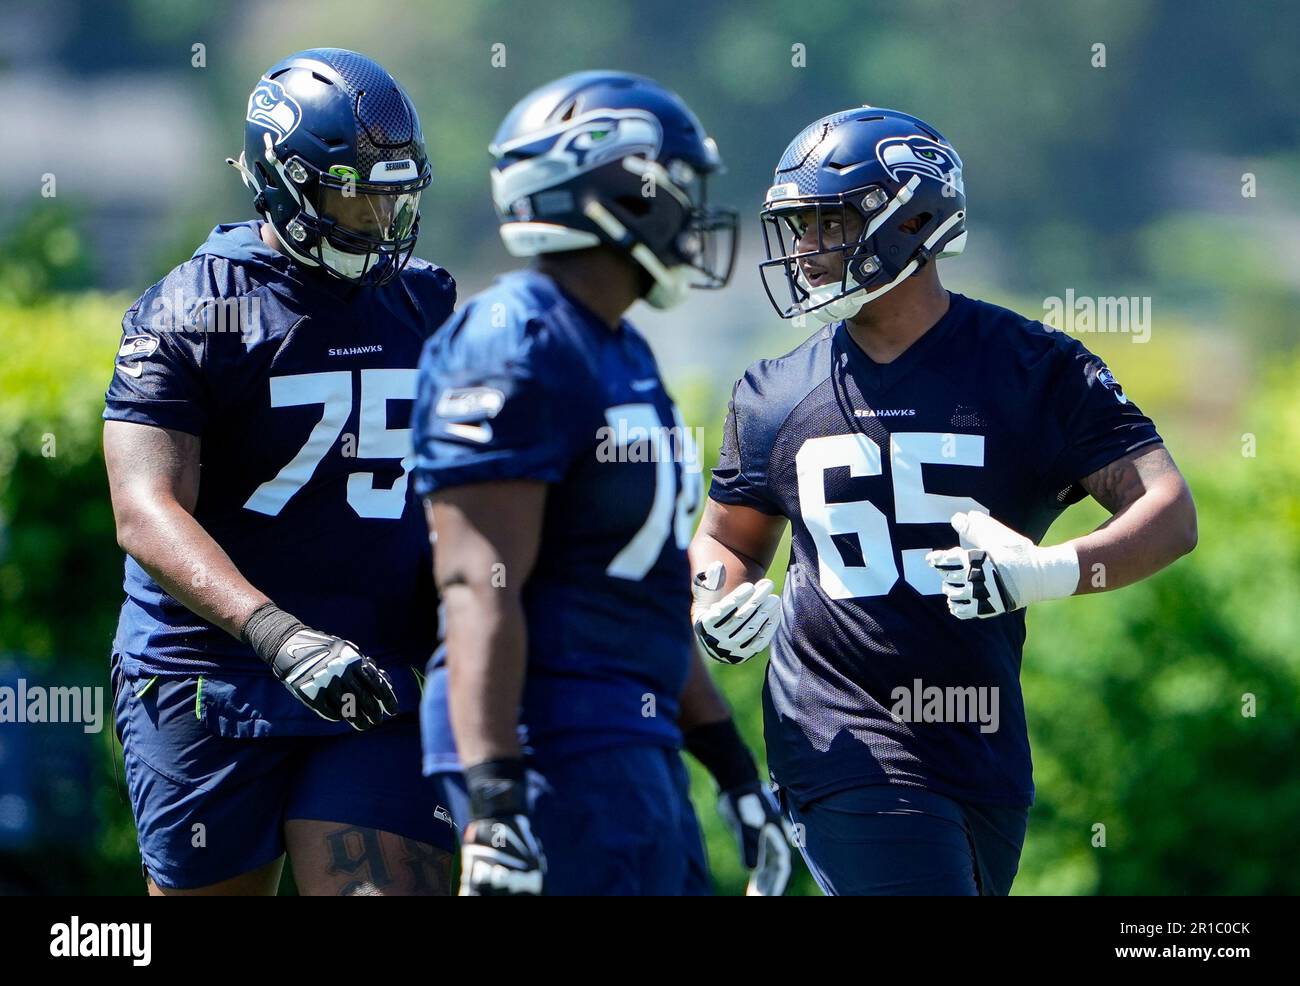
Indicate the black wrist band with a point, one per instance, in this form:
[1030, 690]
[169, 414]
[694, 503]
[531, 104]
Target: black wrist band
[497, 788]
[266, 630]
[724, 754]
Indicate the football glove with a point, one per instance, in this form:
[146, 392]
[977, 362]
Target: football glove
[745, 805]
[763, 837]
[735, 628]
[499, 855]
[996, 570]
[326, 673]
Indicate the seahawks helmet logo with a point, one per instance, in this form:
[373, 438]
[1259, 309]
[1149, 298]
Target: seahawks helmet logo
[271, 107]
[539, 161]
[594, 140]
[921, 156]
[591, 139]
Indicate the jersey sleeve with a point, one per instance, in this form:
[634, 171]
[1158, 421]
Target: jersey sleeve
[433, 291]
[493, 403]
[1091, 423]
[158, 372]
[740, 478]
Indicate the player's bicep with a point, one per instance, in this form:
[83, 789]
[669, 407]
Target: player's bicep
[1122, 482]
[148, 465]
[486, 534]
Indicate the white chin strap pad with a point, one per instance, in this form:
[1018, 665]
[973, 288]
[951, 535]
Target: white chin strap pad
[286, 241]
[342, 262]
[837, 310]
[672, 292]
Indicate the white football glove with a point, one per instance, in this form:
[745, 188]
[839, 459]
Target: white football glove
[997, 570]
[763, 835]
[500, 857]
[735, 628]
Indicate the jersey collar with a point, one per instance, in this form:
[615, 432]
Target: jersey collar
[877, 378]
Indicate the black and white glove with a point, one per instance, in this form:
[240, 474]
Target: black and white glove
[997, 570]
[745, 805]
[499, 855]
[327, 674]
[761, 832]
[739, 625]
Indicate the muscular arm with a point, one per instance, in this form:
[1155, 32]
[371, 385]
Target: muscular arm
[153, 478]
[488, 537]
[1152, 523]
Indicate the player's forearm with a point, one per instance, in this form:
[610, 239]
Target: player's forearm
[706, 549]
[486, 660]
[701, 701]
[1148, 534]
[1153, 520]
[183, 558]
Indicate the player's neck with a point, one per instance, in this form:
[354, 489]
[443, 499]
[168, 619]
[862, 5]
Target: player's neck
[885, 328]
[600, 280]
[269, 237]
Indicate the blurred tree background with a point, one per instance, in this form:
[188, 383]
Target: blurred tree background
[1143, 148]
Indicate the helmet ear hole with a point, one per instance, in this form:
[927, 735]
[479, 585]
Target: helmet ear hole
[915, 224]
[265, 174]
[637, 205]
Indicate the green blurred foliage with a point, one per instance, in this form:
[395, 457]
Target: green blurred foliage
[60, 567]
[60, 574]
[43, 253]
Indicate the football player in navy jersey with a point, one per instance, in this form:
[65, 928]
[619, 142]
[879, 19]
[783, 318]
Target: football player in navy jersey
[257, 444]
[919, 444]
[562, 487]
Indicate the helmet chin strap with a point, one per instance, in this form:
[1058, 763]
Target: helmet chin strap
[245, 175]
[672, 284]
[341, 262]
[848, 305]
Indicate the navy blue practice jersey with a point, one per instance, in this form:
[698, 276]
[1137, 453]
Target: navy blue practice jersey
[300, 389]
[986, 412]
[524, 383]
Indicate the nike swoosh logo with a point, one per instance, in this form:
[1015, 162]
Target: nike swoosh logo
[131, 371]
[481, 434]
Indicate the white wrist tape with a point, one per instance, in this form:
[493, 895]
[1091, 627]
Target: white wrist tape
[1044, 573]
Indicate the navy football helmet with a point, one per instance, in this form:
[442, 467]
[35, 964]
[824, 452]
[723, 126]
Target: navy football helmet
[616, 159]
[334, 153]
[889, 189]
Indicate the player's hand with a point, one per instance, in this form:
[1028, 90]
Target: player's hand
[326, 673]
[334, 679]
[760, 831]
[499, 854]
[997, 570]
[500, 857]
[736, 627]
